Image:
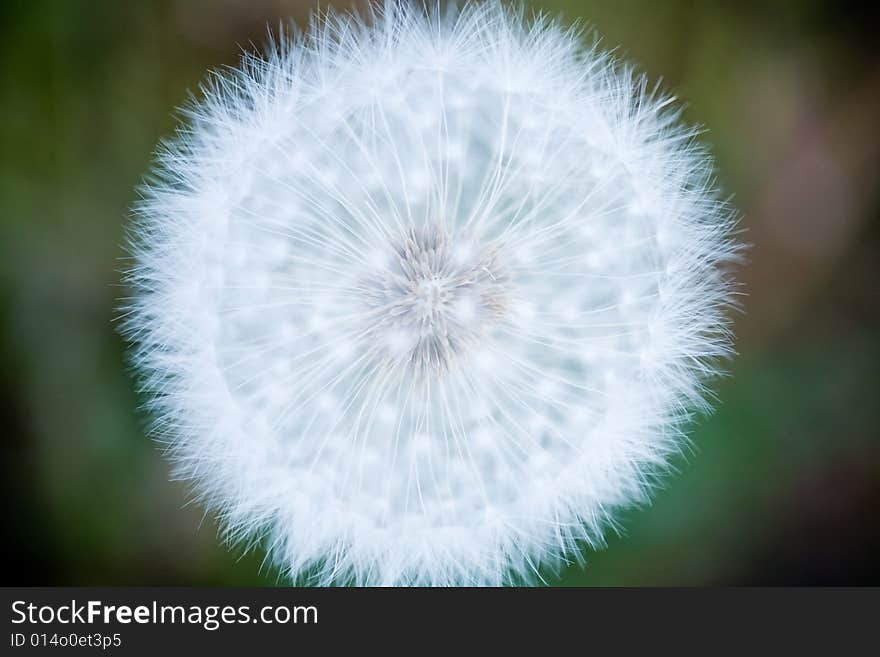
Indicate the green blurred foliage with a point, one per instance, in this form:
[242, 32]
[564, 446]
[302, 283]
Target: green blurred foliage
[781, 484]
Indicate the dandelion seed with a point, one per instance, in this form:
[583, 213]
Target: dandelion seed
[425, 299]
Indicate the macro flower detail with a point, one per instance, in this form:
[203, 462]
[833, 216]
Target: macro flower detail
[427, 298]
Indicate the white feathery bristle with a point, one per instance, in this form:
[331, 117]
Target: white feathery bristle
[425, 298]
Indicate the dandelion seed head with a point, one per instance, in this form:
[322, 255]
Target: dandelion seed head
[427, 298]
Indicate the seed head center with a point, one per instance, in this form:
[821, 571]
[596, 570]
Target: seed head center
[433, 300]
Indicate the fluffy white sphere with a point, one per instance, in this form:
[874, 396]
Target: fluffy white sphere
[425, 299]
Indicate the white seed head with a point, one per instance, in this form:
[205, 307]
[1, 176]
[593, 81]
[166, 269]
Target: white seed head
[425, 299]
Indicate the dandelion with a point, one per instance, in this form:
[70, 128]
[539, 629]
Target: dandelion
[427, 298]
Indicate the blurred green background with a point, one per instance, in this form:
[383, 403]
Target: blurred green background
[783, 486]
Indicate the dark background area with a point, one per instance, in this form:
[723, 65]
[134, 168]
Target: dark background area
[783, 484]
